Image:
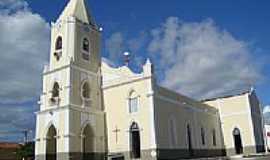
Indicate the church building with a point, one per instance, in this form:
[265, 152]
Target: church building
[90, 110]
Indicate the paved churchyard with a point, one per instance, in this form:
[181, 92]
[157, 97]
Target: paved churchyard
[253, 157]
[259, 157]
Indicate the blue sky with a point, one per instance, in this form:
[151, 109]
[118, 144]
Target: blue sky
[247, 20]
[200, 48]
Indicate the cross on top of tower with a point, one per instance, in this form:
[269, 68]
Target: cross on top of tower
[77, 9]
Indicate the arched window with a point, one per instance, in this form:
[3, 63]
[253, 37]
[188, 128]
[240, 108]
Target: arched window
[55, 91]
[214, 137]
[58, 48]
[54, 100]
[135, 142]
[86, 90]
[58, 43]
[133, 102]
[203, 136]
[86, 94]
[86, 45]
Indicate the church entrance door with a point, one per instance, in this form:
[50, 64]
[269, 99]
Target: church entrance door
[237, 141]
[87, 143]
[51, 144]
[135, 141]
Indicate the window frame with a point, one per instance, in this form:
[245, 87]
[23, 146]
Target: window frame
[131, 108]
[131, 96]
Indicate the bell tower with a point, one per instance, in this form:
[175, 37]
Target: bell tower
[71, 120]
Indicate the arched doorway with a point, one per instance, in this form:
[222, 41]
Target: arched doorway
[237, 141]
[51, 144]
[87, 143]
[190, 148]
[135, 142]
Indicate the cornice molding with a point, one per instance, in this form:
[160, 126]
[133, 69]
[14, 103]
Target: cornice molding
[71, 107]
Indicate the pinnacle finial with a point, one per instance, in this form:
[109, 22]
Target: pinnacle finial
[148, 67]
[148, 62]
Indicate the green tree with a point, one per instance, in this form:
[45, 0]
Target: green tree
[26, 151]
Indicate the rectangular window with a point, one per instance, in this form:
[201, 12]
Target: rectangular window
[133, 105]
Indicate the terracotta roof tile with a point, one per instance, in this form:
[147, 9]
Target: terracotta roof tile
[7, 145]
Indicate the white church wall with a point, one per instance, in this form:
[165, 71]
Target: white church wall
[49, 78]
[57, 118]
[267, 133]
[236, 112]
[118, 115]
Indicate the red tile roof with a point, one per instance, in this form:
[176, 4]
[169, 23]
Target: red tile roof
[7, 145]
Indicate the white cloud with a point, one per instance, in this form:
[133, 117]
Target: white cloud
[266, 109]
[115, 45]
[24, 44]
[137, 43]
[13, 5]
[201, 60]
[196, 59]
[24, 48]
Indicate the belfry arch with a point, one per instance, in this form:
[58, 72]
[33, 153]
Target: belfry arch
[51, 143]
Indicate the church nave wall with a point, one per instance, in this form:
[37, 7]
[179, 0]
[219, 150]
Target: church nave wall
[172, 120]
[240, 113]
